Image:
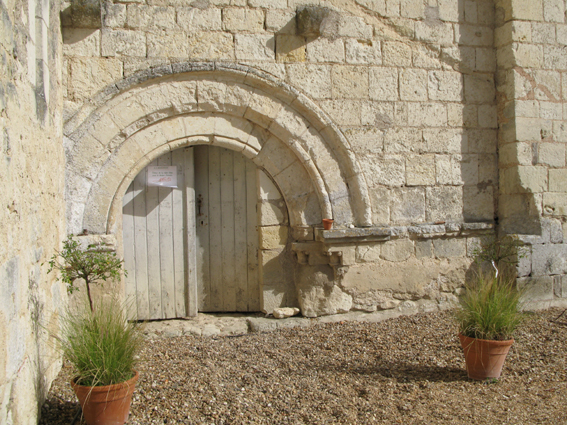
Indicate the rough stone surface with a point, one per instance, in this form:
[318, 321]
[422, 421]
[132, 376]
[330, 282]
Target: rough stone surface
[426, 119]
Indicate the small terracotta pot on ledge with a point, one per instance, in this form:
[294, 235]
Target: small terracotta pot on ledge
[327, 223]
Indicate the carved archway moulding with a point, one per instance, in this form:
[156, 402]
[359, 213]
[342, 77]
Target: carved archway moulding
[138, 119]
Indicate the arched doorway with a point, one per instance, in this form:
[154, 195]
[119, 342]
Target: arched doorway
[193, 247]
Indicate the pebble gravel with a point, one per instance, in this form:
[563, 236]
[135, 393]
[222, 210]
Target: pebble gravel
[406, 370]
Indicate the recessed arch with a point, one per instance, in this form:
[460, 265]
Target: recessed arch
[281, 130]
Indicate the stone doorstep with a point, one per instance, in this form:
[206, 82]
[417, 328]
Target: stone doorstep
[234, 325]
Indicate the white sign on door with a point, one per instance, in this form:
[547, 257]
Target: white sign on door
[162, 176]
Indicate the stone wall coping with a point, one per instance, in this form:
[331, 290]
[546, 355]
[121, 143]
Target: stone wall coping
[418, 231]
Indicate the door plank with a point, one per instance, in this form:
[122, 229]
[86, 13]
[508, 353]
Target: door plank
[240, 234]
[252, 239]
[191, 255]
[179, 223]
[152, 234]
[201, 161]
[165, 199]
[227, 233]
[140, 247]
[215, 296]
[128, 247]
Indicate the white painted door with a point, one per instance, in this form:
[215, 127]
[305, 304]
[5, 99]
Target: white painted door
[227, 231]
[193, 248]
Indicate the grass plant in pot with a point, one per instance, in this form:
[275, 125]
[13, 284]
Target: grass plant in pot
[489, 313]
[96, 337]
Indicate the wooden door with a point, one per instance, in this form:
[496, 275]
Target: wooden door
[195, 247]
[227, 231]
[159, 242]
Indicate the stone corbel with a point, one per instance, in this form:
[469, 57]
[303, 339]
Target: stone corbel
[317, 253]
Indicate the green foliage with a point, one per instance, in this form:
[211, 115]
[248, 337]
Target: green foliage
[499, 251]
[101, 344]
[490, 308]
[93, 265]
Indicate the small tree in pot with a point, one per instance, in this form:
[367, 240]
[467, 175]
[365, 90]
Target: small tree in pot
[96, 337]
[490, 312]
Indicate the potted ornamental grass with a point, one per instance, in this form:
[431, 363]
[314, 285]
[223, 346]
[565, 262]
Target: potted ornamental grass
[489, 312]
[96, 337]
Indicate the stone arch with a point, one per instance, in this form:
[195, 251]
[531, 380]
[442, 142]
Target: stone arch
[136, 120]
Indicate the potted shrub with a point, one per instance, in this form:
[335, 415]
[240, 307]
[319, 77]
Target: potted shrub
[488, 314]
[96, 337]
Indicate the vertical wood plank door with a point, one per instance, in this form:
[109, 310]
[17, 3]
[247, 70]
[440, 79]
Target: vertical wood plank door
[157, 243]
[195, 247]
[227, 231]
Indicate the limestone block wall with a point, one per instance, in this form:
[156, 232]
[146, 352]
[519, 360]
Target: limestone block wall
[32, 221]
[395, 114]
[408, 87]
[532, 65]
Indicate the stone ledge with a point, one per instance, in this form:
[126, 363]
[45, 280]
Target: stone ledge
[419, 231]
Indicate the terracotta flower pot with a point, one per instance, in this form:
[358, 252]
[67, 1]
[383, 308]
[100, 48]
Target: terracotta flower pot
[484, 358]
[327, 223]
[106, 405]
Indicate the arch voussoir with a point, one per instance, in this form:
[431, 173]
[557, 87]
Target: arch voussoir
[235, 108]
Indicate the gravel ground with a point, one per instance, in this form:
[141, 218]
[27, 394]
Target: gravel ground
[408, 370]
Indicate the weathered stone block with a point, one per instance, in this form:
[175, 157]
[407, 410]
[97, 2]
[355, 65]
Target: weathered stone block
[89, 75]
[446, 248]
[555, 57]
[123, 43]
[485, 59]
[420, 170]
[479, 89]
[245, 20]
[317, 294]
[273, 237]
[407, 205]
[80, 42]
[356, 27]
[474, 35]
[383, 84]
[167, 44]
[443, 203]
[314, 80]
[558, 180]
[349, 82]
[290, 48]
[380, 201]
[397, 250]
[554, 11]
[280, 22]
[445, 85]
[194, 19]
[552, 154]
[441, 34]
[363, 52]
[396, 53]
[387, 171]
[413, 9]
[413, 84]
[397, 140]
[478, 203]
[523, 179]
[423, 249]
[254, 46]
[487, 116]
[555, 203]
[326, 50]
[427, 115]
[536, 288]
[444, 140]
[528, 10]
[549, 259]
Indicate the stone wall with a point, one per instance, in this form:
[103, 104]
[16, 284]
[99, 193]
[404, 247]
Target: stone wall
[531, 40]
[383, 115]
[31, 198]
